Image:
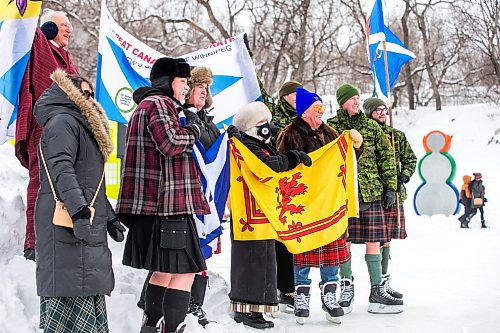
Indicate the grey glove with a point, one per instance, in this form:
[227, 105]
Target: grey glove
[193, 123]
[389, 198]
[116, 230]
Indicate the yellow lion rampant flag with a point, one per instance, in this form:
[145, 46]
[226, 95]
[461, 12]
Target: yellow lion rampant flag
[304, 208]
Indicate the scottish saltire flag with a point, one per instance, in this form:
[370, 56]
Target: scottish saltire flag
[124, 64]
[18, 21]
[397, 53]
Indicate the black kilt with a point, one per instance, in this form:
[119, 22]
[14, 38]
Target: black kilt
[391, 219]
[370, 227]
[143, 250]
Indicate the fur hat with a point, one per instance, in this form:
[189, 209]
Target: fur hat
[305, 99]
[170, 67]
[345, 92]
[288, 88]
[250, 115]
[200, 75]
[371, 104]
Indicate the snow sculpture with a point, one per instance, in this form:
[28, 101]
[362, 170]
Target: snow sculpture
[437, 194]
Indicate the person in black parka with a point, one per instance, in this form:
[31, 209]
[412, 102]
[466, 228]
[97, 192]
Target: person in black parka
[74, 269]
[253, 263]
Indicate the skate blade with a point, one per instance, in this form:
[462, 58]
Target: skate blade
[377, 308]
[347, 309]
[335, 320]
[286, 308]
[300, 320]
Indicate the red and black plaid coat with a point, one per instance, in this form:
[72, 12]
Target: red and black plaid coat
[159, 175]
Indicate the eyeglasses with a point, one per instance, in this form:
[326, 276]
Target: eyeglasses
[88, 94]
[320, 107]
[66, 25]
[380, 110]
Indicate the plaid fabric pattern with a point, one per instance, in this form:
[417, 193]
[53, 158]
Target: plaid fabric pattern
[73, 314]
[391, 219]
[247, 308]
[370, 227]
[332, 254]
[159, 175]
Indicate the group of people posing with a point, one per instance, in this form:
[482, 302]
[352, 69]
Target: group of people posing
[65, 142]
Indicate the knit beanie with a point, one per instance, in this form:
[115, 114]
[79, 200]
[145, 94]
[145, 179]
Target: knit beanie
[305, 99]
[200, 75]
[371, 104]
[288, 88]
[345, 92]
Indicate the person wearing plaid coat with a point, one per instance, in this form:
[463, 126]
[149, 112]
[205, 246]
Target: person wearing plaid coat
[160, 191]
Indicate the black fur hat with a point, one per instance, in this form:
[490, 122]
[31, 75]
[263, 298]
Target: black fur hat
[170, 67]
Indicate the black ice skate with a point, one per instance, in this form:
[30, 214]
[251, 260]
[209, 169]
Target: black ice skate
[302, 297]
[333, 310]
[196, 309]
[286, 302]
[386, 279]
[253, 319]
[382, 302]
[346, 294]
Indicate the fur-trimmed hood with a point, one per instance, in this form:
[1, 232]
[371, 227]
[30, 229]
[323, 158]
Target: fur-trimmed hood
[63, 96]
[200, 75]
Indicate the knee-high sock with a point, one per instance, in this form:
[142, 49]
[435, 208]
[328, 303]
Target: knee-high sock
[175, 307]
[345, 269]
[386, 255]
[198, 289]
[153, 305]
[374, 267]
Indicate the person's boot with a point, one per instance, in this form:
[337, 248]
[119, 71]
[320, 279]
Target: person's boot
[333, 310]
[163, 328]
[302, 297]
[483, 224]
[198, 291]
[382, 302]
[464, 224]
[346, 294]
[286, 302]
[386, 279]
[253, 319]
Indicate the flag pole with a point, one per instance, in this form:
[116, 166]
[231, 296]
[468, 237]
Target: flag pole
[393, 141]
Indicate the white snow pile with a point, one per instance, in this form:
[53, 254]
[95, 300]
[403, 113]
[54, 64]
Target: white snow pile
[449, 276]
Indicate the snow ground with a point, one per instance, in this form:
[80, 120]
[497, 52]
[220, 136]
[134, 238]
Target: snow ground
[449, 276]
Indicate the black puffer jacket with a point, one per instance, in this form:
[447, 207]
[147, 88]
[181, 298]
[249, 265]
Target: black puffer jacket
[75, 142]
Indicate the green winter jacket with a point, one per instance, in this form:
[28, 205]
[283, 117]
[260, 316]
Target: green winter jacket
[406, 161]
[376, 169]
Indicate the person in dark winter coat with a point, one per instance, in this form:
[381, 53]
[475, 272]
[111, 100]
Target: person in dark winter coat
[253, 263]
[307, 133]
[477, 190]
[406, 161]
[74, 269]
[465, 197]
[160, 191]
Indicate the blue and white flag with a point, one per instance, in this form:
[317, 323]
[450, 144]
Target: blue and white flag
[18, 21]
[397, 53]
[124, 64]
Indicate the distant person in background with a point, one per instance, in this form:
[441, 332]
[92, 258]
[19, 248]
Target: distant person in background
[477, 190]
[49, 52]
[466, 200]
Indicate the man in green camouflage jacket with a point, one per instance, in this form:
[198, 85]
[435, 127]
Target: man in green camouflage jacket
[406, 162]
[377, 182]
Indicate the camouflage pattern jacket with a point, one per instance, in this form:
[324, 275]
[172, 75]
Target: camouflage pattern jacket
[406, 161]
[376, 169]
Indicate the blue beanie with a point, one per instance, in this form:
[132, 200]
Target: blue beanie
[305, 99]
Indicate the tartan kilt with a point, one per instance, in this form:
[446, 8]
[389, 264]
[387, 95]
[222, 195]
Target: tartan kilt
[73, 314]
[391, 219]
[333, 254]
[370, 227]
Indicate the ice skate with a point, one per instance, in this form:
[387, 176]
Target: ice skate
[286, 302]
[333, 311]
[302, 297]
[346, 294]
[386, 279]
[382, 302]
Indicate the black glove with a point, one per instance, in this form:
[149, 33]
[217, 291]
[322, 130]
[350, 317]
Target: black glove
[233, 132]
[116, 230]
[81, 224]
[274, 129]
[389, 198]
[193, 123]
[403, 178]
[301, 157]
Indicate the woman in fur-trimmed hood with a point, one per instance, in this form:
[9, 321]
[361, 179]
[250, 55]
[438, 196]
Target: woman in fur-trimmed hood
[74, 269]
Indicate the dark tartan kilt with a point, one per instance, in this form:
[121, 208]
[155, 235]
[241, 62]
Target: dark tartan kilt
[370, 227]
[73, 314]
[333, 254]
[391, 219]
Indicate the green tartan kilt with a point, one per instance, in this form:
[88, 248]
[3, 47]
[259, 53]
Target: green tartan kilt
[73, 314]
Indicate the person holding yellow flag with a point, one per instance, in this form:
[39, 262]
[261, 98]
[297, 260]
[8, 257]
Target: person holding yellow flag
[253, 262]
[307, 133]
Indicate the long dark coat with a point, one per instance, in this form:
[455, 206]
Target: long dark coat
[253, 263]
[75, 142]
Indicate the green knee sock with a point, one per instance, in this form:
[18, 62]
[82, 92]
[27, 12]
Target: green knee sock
[345, 269]
[374, 267]
[386, 255]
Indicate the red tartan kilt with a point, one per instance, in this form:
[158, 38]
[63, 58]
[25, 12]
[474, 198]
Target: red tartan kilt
[391, 219]
[370, 227]
[332, 254]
